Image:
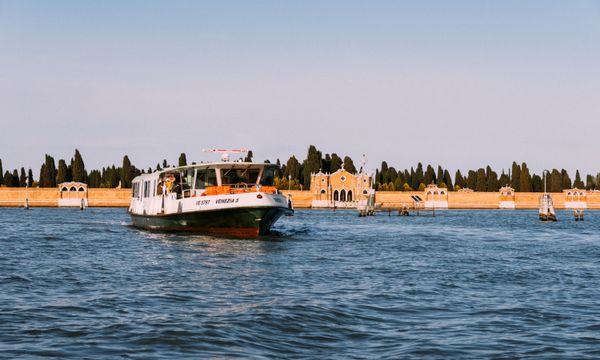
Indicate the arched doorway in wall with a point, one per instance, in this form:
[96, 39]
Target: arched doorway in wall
[336, 196]
[343, 195]
[349, 195]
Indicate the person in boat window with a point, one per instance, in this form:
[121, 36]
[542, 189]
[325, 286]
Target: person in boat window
[160, 188]
[169, 180]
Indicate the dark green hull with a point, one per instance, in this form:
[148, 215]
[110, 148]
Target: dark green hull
[236, 222]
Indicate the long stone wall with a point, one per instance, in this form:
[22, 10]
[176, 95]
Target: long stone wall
[48, 197]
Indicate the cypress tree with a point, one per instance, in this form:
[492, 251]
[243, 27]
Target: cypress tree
[429, 177]
[15, 178]
[525, 179]
[472, 180]
[590, 183]
[578, 183]
[78, 168]
[537, 185]
[128, 171]
[29, 178]
[492, 181]
[94, 179]
[555, 182]
[165, 164]
[392, 174]
[312, 164]
[383, 175]
[448, 180]
[459, 180]
[481, 184]
[336, 162]
[349, 165]
[565, 180]
[327, 164]
[183, 160]
[23, 178]
[48, 173]
[440, 176]
[417, 179]
[61, 174]
[8, 179]
[292, 168]
[1, 178]
[504, 179]
[515, 181]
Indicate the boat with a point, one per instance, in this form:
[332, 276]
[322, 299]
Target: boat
[546, 211]
[230, 198]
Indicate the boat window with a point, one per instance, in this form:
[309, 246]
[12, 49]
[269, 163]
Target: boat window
[237, 176]
[268, 176]
[206, 177]
[134, 190]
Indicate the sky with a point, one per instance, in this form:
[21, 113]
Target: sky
[462, 84]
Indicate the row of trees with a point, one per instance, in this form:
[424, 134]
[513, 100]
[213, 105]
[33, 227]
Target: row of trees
[296, 175]
[482, 179]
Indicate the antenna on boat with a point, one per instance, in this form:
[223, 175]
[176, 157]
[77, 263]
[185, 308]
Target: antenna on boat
[225, 152]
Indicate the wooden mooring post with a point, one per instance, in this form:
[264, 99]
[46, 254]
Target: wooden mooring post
[578, 214]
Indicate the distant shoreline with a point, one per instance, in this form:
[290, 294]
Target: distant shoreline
[49, 197]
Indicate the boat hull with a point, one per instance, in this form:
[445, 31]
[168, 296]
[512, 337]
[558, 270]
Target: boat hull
[233, 221]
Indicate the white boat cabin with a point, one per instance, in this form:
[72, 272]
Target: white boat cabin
[176, 190]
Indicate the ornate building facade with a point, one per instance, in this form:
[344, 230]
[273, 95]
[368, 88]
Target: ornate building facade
[340, 189]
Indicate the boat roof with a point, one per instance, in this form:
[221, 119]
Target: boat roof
[213, 165]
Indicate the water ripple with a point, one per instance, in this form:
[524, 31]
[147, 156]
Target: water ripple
[486, 284]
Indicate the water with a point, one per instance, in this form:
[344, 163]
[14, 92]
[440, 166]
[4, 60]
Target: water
[465, 284]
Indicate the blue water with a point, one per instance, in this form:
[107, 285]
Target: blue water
[465, 284]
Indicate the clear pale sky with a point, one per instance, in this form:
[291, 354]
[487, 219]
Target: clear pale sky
[463, 84]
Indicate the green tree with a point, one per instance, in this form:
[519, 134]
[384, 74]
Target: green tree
[481, 182]
[472, 180]
[555, 183]
[311, 165]
[565, 180]
[524, 179]
[417, 178]
[492, 181]
[183, 160]
[78, 168]
[48, 173]
[504, 179]
[1, 178]
[537, 185]
[440, 176]
[515, 181]
[429, 176]
[336, 162]
[578, 183]
[7, 179]
[459, 180]
[23, 178]
[590, 182]
[326, 164]
[61, 174]
[94, 179]
[15, 178]
[29, 178]
[383, 175]
[292, 168]
[448, 180]
[349, 165]
[128, 172]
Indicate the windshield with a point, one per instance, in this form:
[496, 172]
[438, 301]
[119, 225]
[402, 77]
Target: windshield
[237, 176]
[268, 176]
